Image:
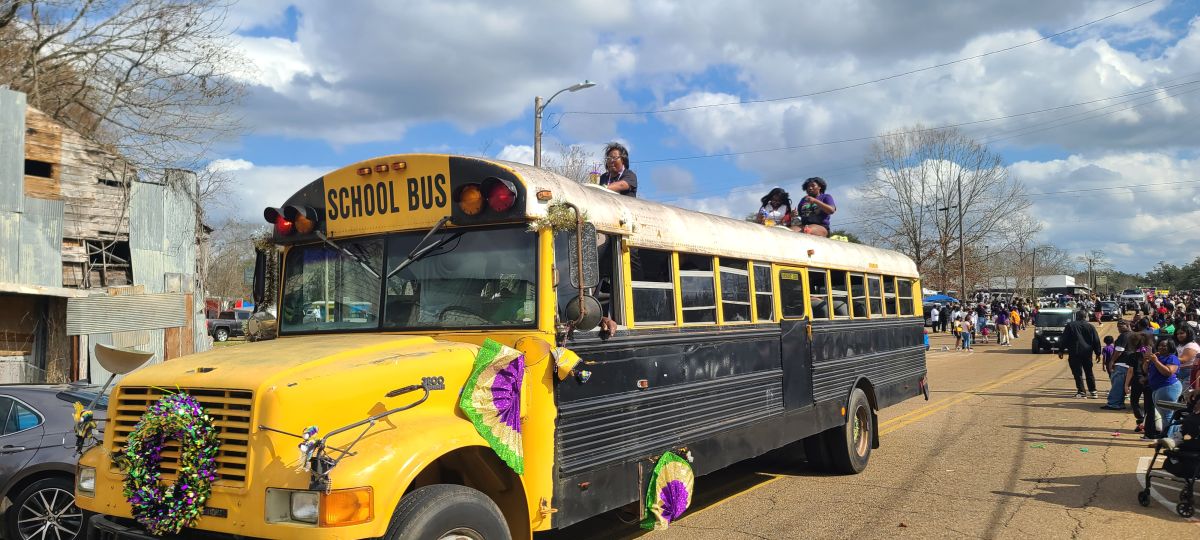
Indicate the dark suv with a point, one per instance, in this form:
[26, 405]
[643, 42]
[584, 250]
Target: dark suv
[37, 459]
[1048, 328]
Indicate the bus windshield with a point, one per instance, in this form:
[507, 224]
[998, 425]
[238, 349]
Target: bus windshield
[469, 279]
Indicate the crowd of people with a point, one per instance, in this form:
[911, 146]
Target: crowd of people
[980, 322]
[1153, 360]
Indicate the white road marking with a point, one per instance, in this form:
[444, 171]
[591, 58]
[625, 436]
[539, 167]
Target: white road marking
[1143, 464]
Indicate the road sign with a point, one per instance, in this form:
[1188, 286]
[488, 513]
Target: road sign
[1101, 280]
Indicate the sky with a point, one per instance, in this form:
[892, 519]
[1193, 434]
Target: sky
[1112, 165]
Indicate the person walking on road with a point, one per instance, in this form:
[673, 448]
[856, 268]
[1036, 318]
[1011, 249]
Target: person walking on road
[1002, 328]
[1081, 343]
[933, 319]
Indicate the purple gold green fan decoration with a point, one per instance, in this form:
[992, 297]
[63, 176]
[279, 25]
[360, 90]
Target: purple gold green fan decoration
[669, 491]
[491, 399]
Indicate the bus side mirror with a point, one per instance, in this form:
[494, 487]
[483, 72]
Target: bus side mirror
[585, 237]
[586, 310]
[260, 277]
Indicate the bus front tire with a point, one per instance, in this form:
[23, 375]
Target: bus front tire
[849, 446]
[447, 511]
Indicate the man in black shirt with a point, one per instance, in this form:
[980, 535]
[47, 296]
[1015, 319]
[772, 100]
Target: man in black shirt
[617, 176]
[1081, 343]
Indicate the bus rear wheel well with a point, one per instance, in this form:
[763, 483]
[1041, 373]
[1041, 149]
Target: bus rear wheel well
[478, 467]
[869, 389]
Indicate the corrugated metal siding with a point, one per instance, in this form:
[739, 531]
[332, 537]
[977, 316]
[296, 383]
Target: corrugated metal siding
[105, 314]
[97, 373]
[10, 254]
[41, 243]
[148, 269]
[179, 216]
[12, 150]
[146, 225]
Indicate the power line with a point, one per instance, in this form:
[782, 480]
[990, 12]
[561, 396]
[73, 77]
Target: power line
[863, 83]
[1169, 186]
[922, 130]
[1050, 124]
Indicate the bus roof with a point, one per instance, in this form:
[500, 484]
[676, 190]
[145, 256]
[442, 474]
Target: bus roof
[655, 225]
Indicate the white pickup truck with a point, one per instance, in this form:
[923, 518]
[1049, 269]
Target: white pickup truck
[1131, 299]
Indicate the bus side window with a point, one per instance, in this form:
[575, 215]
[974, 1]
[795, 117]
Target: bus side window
[858, 295]
[818, 293]
[906, 296]
[653, 289]
[791, 294]
[735, 290]
[697, 292]
[889, 295]
[763, 298]
[875, 293]
[840, 292]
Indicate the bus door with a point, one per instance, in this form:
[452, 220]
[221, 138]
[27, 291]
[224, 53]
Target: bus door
[796, 338]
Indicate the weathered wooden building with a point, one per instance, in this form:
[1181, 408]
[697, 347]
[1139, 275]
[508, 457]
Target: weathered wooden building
[91, 251]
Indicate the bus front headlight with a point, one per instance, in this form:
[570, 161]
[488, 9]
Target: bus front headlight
[85, 481]
[305, 505]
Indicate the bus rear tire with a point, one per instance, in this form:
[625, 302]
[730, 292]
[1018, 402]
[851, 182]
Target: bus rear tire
[447, 511]
[849, 446]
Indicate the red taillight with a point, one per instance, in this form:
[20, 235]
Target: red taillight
[304, 218]
[501, 196]
[470, 199]
[283, 227]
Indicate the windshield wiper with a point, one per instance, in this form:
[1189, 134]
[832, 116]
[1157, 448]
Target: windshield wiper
[357, 257]
[418, 251]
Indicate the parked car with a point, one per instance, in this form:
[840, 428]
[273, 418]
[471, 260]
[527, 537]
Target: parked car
[228, 324]
[37, 458]
[1048, 328]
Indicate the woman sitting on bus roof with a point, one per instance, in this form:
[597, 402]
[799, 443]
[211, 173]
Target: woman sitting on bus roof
[815, 208]
[617, 176]
[776, 209]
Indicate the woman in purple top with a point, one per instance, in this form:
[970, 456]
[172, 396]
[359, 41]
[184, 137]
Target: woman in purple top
[816, 207]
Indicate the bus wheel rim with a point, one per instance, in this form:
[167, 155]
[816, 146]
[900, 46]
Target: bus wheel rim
[861, 428]
[462, 533]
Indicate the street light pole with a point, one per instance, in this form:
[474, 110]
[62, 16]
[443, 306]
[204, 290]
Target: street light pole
[538, 107]
[962, 255]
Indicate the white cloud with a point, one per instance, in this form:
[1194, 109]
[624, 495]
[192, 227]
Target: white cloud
[517, 153]
[1140, 207]
[671, 180]
[254, 187]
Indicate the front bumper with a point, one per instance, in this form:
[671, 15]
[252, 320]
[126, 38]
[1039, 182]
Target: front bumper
[101, 527]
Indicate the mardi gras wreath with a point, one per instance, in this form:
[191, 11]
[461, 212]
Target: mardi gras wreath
[168, 509]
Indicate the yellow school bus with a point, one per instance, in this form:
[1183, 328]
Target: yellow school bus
[731, 339]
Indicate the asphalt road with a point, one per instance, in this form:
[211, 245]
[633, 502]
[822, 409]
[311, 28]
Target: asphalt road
[1001, 450]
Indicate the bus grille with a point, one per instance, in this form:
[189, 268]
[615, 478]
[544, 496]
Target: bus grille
[230, 413]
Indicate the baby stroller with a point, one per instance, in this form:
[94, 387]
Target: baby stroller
[1181, 461]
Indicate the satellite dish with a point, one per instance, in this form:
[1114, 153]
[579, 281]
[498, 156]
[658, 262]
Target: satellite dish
[120, 361]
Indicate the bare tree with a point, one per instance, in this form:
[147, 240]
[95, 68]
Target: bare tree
[574, 162]
[231, 252]
[914, 172]
[150, 79]
[1094, 261]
